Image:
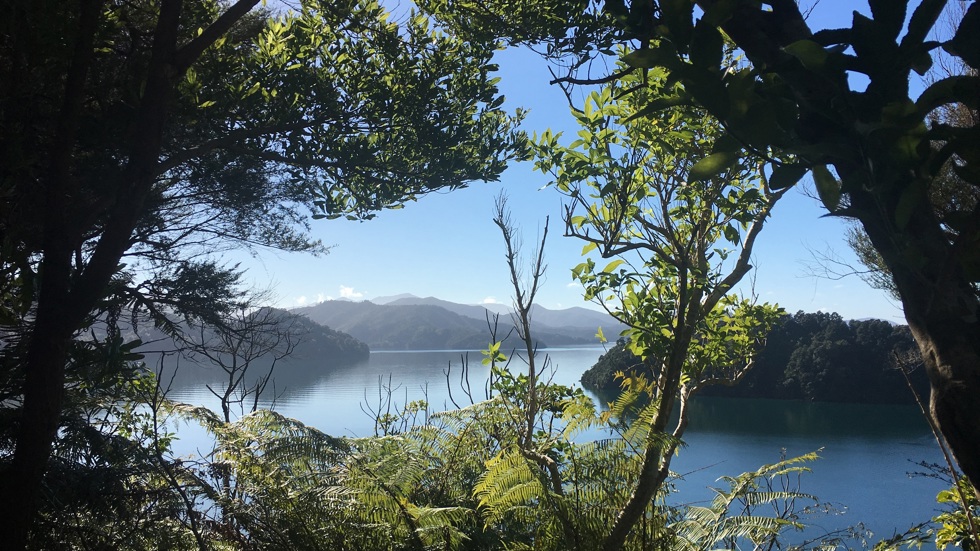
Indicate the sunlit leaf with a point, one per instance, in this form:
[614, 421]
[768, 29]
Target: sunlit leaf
[712, 165]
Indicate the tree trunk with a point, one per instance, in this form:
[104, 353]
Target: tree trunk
[40, 417]
[940, 303]
[942, 309]
[952, 359]
[55, 321]
[656, 466]
[944, 324]
[69, 293]
[656, 459]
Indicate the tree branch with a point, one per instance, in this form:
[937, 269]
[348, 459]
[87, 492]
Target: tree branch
[188, 54]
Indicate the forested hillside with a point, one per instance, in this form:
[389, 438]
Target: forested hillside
[808, 356]
[309, 343]
[327, 345]
[432, 324]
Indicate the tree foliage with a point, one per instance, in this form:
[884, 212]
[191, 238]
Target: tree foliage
[875, 151]
[465, 479]
[675, 206]
[140, 138]
[514, 471]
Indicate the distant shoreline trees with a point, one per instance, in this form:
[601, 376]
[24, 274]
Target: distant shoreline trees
[817, 357]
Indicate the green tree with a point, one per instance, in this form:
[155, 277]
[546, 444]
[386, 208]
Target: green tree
[874, 151]
[108, 483]
[880, 144]
[958, 521]
[678, 210]
[137, 137]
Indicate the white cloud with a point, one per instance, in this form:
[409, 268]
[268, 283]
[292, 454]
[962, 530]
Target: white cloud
[320, 297]
[301, 301]
[349, 292]
[573, 284]
[490, 300]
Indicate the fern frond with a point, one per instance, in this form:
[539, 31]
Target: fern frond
[754, 499]
[704, 527]
[579, 414]
[198, 414]
[507, 483]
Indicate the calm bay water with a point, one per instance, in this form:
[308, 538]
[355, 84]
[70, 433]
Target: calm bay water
[866, 453]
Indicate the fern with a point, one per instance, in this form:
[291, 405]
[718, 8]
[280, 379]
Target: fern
[731, 517]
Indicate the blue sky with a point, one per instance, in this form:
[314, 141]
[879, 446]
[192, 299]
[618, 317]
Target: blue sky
[446, 245]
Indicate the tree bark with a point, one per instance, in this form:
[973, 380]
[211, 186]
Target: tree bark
[40, 417]
[50, 336]
[653, 473]
[942, 309]
[952, 360]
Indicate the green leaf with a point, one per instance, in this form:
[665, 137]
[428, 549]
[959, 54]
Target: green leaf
[963, 89]
[712, 165]
[810, 54]
[707, 45]
[677, 17]
[921, 63]
[719, 12]
[659, 104]
[707, 87]
[731, 234]
[764, 123]
[827, 187]
[911, 197]
[784, 176]
[727, 144]
[923, 19]
[871, 44]
[613, 265]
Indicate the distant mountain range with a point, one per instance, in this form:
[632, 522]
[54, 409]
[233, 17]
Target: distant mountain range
[407, 322]
[317, 344]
